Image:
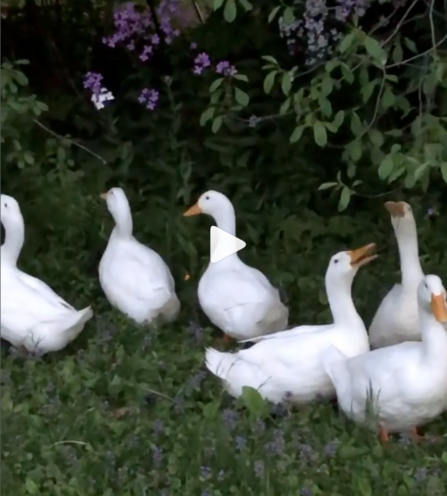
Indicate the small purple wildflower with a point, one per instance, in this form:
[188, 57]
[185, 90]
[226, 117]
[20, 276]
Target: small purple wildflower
[258, 427]
[197, 380]
[331, 448]
[241, 443]
[157, 455]
[159, 426]
[193, 46]
[155, 39]
[205, 472]
[258, 468]
[278, 445]
[307, 453]
[421, 474]
[306, 491]
[201, 62]
[196, 330]
[225, 68]
[221, 476]
[231, 418]
[149, 98]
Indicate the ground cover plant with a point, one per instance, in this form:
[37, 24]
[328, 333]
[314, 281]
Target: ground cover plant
[265, 103]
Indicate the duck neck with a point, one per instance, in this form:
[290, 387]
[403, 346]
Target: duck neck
[123, 222]
[434, 339]
[340, 301]
[14, 239]
[410, 264]
[226, 220]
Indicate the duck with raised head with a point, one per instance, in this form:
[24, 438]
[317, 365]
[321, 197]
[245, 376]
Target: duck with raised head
[33, 316]
[135, 278]
[237, 298]
[288, 364]
[400, 387]
[396, 319]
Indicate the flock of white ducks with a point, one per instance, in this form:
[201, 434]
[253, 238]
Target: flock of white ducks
[403, 378]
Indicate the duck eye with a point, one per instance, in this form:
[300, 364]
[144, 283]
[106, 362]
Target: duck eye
[336, 260]
[207, 197]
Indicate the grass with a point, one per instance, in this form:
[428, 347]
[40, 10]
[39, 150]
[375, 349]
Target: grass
[132, 411]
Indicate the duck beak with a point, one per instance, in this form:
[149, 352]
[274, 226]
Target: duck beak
[396, 209]
[439, 308]
[362, 256]
[194, 210]
[103, 196]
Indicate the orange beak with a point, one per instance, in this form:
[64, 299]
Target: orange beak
[396, 209]
[439, 308]
[103, 196]
[194, 210]
[362, 256]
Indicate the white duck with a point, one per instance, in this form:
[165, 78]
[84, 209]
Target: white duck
[134, 278]
[405, 385]
[396, 319]
[237, 298]
[33, 316]
[288, 363]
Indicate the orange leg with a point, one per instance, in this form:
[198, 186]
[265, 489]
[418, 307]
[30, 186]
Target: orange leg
[415, 434]
[383, 434]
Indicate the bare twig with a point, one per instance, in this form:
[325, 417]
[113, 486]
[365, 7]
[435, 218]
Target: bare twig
[440, 42]
[432, 26]
[399, 24]
[59, 137]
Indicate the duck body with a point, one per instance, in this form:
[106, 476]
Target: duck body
[288, 364]
[32, 314]
[397, 319]
[237, 298]
[135, 278]
[404, 384]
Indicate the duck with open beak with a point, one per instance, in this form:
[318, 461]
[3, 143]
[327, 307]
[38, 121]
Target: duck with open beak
[362, 256]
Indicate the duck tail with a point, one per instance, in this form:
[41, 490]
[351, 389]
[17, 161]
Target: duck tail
[75, 322]
[219, 363]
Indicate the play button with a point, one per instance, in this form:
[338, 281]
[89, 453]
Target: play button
[222, 244]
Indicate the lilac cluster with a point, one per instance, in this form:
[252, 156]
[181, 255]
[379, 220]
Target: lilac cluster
[133, 26]
[149, 98]
[203, 61]
[99, 94]
[312, 29]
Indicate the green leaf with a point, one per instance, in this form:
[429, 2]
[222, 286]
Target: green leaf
[386, 167]
[21, 78]
[230, 11]
[273, 13]
[326, 186]
[327, 85]
[388, 98]
[288, 15]
[443, 168]
[331, 65]
[253, 401]
[411, 45]
[374, 49]
[376, 137]
[338, 119]
[269, 81]
[217, 123]
[215, 84]
[42, 106]
[320, 134]
[356, 124]
[347, 41]
[246, 5]
[28, 158]
[269, 58]
[345, 198]
[217, 4]
[355, 150]
[285, 106]
[398, 53]
[364, 486]
[241, 77]
[347, 73]
[296, 135]
[241, 97]
[286, 83]
[31, 487]
[207, 115]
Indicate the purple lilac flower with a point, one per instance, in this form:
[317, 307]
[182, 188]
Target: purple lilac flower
[149, 98]
[193, 46]
[231, 418]
[241, 442]
[157, 455]
[166, 10]
[205, 472]
[159, 426]
[202, 61]
[93, 82]
[146, 53]
[306, 491]
[225, 68]
[331, 448]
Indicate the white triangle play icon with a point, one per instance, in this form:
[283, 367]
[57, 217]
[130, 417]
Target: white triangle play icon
[223, 244]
